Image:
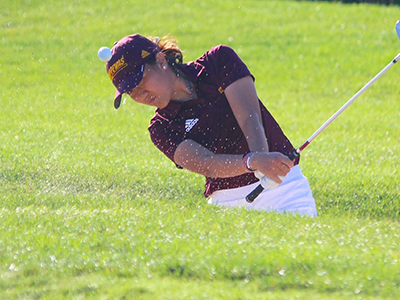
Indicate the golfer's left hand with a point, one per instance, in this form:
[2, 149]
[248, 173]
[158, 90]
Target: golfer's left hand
[272, 164]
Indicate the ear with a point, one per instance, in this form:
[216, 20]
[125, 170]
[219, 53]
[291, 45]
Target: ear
[161, 61]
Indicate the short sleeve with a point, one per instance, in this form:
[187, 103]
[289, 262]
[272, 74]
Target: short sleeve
[225, 65]
[165, 138]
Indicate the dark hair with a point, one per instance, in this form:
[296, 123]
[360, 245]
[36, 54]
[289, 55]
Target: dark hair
[168, 46]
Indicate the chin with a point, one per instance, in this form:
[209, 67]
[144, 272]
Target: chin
[161, 104]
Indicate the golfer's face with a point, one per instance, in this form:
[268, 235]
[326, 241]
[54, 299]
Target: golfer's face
[154, 89]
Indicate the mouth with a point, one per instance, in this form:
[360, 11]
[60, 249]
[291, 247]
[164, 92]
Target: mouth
[151, 100]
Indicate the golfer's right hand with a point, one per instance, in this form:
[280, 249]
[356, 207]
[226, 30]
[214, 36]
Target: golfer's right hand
[274, 165]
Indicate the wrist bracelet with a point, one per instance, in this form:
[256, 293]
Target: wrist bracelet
[246, 160]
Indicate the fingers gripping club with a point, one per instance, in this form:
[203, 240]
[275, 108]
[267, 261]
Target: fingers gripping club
[266, 182]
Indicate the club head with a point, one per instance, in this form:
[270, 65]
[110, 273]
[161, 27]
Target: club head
[398, 29]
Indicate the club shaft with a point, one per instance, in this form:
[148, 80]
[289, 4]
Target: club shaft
[348, 103]
[253, 195]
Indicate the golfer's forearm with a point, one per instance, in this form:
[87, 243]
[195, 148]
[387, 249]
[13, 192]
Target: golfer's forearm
[255, 135]
[217, 165]
[223, 165]
[196, 158]
[243, 100]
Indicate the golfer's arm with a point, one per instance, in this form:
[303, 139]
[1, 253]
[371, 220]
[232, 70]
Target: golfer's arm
[196, 158]
[243, 99]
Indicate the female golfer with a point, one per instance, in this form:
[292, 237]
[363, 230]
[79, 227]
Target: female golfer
[209, 120]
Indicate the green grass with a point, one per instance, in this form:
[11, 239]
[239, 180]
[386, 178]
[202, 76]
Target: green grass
[91, 210]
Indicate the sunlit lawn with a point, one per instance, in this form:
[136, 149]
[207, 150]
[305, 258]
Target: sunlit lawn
[91, 210]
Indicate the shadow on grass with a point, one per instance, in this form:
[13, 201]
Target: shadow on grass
[377, 2]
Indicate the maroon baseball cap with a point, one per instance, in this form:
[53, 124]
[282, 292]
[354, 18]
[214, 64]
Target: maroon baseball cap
[126, 66]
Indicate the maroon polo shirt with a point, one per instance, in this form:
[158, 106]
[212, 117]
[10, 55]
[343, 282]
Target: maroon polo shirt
[209, 120]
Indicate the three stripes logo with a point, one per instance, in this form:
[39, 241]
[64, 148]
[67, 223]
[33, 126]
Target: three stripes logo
[189, 124]
[145, 54]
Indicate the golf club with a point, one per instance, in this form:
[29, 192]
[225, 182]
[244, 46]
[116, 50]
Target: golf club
[253, 195]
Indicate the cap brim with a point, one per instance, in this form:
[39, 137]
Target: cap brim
[117, 99]
[128, 83]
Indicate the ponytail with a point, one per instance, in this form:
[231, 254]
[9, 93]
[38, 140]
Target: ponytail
[169, 46]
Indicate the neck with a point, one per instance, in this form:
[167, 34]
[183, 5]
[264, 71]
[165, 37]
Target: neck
[182, 89]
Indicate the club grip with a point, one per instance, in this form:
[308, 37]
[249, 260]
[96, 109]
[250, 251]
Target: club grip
[258, 190]
[254, 194]
[294, 155]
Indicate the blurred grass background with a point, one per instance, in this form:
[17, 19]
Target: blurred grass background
[88, 204]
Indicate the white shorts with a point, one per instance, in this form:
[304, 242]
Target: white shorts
[293, 195]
